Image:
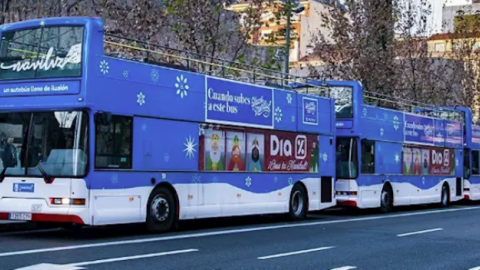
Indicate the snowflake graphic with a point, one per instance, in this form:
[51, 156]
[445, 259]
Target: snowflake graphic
[196, 178]
[364, 111]
[275, 179]
[182, 86]
[166, 157]
[290, 180]
[397, 158]
[201, 130]
[289, 98]
[396, 123]
[114, 178]
[164, 176]
[293, 118]
[144, 127]
[456, 162]
[325, 157]
[248, 181]
[42, 23]
[154, 75]
[382, 131]
[215, 179]
[104, 67]
[141, 99]
[423, 180]
[278, 114]
[125, 73]
[189, 147]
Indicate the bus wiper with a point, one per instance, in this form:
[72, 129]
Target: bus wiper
[44, 173]
[2, 174]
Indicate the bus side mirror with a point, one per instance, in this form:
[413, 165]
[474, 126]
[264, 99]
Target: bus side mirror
[103, 118]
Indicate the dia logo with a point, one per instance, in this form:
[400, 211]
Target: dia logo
[283, 147]
[301, 147]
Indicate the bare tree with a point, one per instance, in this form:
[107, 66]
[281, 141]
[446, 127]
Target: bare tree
[384, 45]
[464, 41]
[167, 28]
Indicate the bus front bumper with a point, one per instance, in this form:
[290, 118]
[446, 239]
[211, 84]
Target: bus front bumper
[38, 210]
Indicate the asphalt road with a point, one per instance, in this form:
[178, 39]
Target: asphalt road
[428, 238]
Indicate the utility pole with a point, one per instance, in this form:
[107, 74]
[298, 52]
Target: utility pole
[287, 38]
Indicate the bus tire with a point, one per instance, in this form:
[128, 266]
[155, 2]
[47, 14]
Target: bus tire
[386, 199]
[444, 200]
[161, 210]
[298, 203]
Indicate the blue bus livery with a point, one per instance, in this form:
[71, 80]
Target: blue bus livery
[87, 138]
[471, 137]
[389, 157]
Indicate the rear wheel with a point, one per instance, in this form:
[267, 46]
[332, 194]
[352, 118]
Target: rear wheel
[444, 201]
[386, 199]
[161, 211]
[298, 203]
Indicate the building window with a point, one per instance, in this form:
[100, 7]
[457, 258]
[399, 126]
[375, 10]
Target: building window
[113, 145]
[439, 47]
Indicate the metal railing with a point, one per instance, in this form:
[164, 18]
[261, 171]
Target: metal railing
[140, 51]
[400, 104]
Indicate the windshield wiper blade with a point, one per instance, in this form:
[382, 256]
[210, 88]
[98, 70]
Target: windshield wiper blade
[47, 178]
[2, 174]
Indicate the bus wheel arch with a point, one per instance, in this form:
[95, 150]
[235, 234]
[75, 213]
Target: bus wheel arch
[445, 195]
[298, 202]
[386, 198]
[162, 209]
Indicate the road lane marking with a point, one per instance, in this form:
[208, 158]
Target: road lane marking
[143, 256]
[293, 253]
[79, 265]
[419, 232]
[345, 268]
[233, 231]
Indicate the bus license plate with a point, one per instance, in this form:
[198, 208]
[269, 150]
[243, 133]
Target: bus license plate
[21, 216]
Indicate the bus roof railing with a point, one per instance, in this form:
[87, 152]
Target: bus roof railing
[400, 104]
[141, 51]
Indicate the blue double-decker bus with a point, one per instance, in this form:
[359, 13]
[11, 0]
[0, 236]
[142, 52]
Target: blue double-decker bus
[92, 139]
[471, 137]
[389, 157]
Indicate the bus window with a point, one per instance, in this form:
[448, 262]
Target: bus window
[466, 164]
[113, 146]
[475, 161]
[368, 156]
[346, 160]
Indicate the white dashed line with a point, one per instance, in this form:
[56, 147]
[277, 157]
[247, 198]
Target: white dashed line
[79, 265]
[419, 232]
[293, 253]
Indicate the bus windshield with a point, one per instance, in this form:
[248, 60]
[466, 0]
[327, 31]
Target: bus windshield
[44, 52]
[343, 96]
[40, 144]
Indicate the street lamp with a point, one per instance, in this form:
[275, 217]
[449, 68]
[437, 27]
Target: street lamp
[297, 9]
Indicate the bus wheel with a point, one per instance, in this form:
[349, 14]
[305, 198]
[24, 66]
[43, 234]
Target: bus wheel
[298, 203]
[386, 199]
[161, 211]
[444, 197]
